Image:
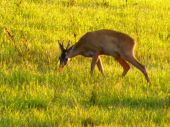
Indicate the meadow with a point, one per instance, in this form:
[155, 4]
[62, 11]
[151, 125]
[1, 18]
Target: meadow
[33, 93]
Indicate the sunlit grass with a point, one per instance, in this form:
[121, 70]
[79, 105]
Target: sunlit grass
[34, 93]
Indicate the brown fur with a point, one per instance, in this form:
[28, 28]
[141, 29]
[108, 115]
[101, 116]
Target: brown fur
[107, 42]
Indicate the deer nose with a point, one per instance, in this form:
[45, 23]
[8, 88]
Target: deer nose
[61, 66]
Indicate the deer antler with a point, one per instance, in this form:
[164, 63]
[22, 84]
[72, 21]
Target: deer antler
[61, 45]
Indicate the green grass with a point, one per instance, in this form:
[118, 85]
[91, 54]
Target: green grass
[33, 93]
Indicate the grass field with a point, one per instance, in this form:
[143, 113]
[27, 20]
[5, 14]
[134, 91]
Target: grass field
[33, 93]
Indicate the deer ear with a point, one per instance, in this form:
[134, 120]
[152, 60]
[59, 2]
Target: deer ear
[61, 46]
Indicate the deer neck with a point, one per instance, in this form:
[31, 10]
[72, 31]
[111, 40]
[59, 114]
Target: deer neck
[72, 51]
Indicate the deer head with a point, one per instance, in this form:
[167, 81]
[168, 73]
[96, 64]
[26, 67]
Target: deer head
[63, 57]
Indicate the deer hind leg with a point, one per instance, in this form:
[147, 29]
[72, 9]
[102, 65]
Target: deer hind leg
[124, 64]
[99, 65]
[130, 58]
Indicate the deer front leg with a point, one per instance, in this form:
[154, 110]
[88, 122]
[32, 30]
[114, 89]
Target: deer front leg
[99, 65]
[94, 61]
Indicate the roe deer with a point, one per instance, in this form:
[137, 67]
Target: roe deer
[103, 42]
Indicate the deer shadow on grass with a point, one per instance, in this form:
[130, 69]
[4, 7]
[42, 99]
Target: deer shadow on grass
[112, 103]
[136, 103]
